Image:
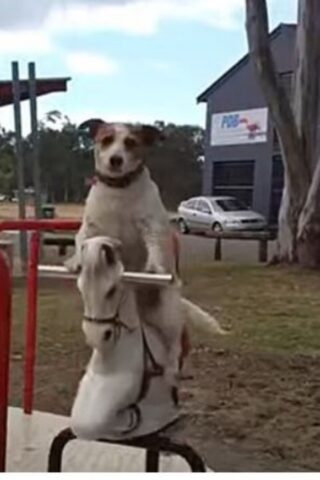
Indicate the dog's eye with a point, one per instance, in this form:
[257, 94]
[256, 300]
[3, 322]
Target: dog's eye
[130, 143]
[111, 292]
[107, 140]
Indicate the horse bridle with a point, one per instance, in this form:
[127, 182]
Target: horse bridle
[113, 320]
[155, 371]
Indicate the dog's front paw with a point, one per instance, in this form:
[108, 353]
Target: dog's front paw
[154, 267]
[73, 265]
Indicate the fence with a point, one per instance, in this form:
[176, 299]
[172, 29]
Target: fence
[36, 226]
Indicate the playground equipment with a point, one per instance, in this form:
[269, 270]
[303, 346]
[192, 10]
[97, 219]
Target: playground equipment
[13, 92]
[153, 444]
[36, 226]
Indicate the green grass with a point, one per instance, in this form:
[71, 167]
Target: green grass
[260, 394]
[266, 309]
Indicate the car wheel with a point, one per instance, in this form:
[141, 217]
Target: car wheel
[217, 227]
[183, 227]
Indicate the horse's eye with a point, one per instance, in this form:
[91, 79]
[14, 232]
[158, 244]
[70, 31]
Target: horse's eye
[111, 292]
[107, 335]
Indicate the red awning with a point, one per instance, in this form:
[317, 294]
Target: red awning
[44, 86]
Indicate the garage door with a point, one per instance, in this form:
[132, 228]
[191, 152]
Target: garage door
[235, 179]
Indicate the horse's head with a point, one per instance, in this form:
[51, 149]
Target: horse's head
[100, 285]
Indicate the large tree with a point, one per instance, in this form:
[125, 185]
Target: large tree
[296, 120]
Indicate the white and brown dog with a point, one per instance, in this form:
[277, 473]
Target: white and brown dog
[125, 204]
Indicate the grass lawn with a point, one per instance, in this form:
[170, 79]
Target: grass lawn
[255, 390]
[267, 309]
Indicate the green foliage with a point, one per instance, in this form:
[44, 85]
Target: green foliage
[7, 177]
[66, 161]
[7, 163]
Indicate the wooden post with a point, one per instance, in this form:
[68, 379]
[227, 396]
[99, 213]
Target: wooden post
[217, 249]
[263, 250]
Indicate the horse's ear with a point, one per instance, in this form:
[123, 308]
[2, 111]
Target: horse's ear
[109, 254]
[117, 246]
[91, 126]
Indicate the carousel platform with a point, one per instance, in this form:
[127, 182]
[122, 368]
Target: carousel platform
[30, 437]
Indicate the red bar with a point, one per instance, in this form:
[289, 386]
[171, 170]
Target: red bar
[31, 323]
[5, 333]
[39, 225]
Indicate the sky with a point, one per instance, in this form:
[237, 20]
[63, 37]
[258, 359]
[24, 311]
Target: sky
[129, 60]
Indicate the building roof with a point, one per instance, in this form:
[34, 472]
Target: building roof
[203, 97]
[43, 87]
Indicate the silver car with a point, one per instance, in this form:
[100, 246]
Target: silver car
[217, 214]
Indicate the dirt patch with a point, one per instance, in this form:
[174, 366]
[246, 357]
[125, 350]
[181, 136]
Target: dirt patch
[10, 210]
[265, 406]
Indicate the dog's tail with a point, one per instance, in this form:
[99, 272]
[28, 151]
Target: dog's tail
[198, 317]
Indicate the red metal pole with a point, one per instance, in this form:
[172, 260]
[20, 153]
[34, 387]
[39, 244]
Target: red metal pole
[39, 225]
[5, 333]
[31, 323]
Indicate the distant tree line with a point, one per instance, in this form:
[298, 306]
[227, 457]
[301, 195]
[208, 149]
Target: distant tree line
[66, 161]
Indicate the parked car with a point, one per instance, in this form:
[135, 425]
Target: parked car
[3, 198]
[217, 214]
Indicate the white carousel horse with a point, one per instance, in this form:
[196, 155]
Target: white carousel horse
[123, 393]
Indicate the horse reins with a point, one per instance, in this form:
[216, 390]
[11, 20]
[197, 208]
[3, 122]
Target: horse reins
[156, 370]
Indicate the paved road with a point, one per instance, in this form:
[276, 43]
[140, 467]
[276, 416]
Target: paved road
[197, 249]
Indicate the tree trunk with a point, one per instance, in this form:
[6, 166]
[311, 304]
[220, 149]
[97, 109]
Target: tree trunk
[309, 226]
[287, 228]
[296, 125]
[306, 107]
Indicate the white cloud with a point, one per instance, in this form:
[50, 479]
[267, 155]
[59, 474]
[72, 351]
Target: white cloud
[25, 41]
[90, 64]
[143, 16]
[29, 26]
[128, 16]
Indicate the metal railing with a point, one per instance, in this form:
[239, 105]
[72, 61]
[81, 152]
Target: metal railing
[5, 334]
[37, 226]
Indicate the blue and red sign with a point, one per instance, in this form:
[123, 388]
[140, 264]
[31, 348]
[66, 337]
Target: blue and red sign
[246, 126]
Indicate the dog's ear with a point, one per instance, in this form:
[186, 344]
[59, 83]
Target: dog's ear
[149, 134]
[91, 126]
[109, 254]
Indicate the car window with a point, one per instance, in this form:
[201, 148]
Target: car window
[191, 204]
[231, 205]
[203, 207]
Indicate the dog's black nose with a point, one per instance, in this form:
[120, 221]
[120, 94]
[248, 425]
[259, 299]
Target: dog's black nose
[116, 161]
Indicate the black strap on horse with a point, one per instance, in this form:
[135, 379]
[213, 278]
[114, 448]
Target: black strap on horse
[156, 369]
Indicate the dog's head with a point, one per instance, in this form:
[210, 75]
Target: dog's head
[119, 148]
